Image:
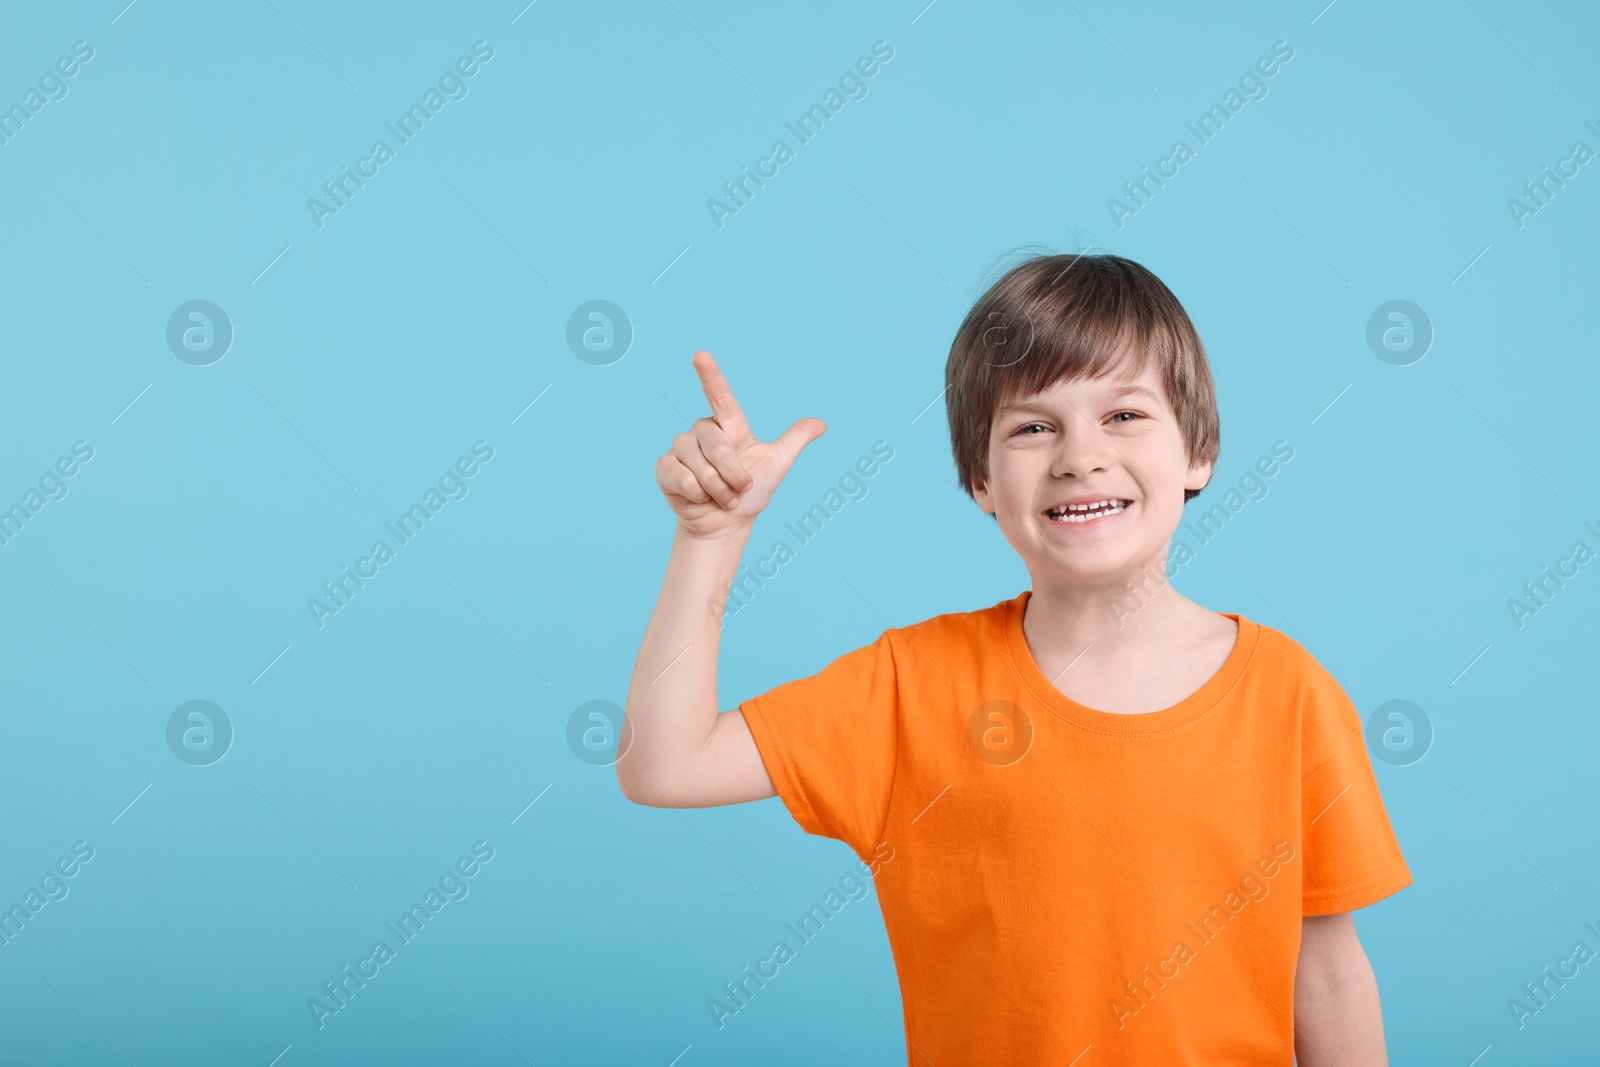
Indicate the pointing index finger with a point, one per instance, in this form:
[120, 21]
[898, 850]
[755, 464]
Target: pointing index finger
[724, 409]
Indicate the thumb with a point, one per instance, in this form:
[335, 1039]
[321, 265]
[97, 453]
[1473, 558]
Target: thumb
[796, 437]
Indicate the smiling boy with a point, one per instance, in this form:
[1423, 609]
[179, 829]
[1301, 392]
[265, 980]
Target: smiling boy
[1128, 829]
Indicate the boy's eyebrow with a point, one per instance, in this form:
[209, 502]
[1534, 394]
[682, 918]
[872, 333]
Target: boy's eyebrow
[1128, 389]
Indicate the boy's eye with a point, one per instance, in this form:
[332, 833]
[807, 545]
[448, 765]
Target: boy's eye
[1117, 418]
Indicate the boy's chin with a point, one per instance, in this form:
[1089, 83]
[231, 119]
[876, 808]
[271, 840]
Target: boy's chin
[1108, 567]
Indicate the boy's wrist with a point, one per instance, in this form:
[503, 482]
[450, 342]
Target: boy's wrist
[736, 533]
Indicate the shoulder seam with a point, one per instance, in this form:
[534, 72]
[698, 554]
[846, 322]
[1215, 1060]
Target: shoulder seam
[894, 773]
[967, 618]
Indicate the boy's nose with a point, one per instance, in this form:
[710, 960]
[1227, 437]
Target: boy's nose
[1081, 449]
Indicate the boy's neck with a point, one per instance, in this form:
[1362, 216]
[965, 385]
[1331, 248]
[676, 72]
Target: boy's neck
[1111, 622]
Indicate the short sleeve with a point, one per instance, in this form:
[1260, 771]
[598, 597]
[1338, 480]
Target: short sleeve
[829, 744]
[1351, 856]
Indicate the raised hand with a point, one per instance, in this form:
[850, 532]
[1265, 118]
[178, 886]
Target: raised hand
[717, 475]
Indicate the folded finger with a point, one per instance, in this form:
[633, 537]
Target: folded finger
[716, 447]
[687, 448]
[677, 480]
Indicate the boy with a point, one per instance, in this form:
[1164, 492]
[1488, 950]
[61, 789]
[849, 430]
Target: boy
[1125, 829]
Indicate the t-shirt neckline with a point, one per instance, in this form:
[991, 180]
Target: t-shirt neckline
[1185, 711]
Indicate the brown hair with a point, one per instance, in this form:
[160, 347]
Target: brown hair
[1073, 316]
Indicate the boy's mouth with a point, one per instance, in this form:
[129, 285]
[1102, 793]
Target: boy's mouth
[1078, 513]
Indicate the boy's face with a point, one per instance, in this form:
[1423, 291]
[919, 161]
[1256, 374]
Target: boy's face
[1087, 441]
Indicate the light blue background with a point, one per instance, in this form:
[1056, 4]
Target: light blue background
[430, 311]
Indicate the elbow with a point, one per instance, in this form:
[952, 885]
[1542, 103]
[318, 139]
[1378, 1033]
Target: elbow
[645, 774]
[638, 787]
[627, 784]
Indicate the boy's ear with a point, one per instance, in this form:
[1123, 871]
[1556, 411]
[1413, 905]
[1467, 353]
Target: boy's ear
[980, 493]
[1199, 475]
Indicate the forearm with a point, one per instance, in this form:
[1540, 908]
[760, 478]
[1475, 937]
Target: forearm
[1338, 1019]
[672, 695]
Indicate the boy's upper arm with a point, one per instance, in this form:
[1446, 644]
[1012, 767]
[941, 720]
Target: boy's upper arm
[1331, 963]
[728, 770]
[825, 743]
[1328, 947]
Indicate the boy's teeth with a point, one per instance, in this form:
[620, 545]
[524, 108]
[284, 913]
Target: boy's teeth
[1085, 512]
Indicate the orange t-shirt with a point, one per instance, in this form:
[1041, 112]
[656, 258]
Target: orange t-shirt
[1064, 882]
